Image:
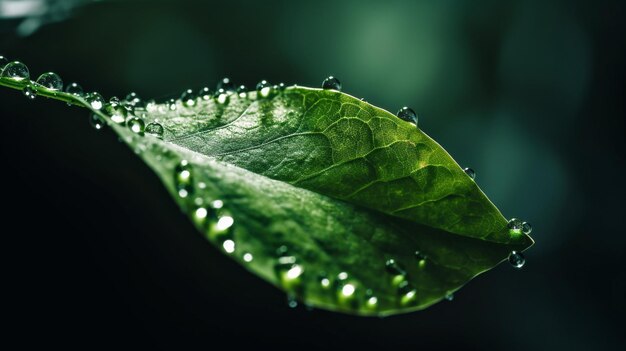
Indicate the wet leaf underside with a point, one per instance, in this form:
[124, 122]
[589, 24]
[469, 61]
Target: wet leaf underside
[323, 190]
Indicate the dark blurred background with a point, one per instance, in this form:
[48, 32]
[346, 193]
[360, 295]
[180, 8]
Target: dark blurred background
[530, 94]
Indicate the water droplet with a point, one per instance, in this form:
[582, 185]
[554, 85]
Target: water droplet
[222, 97]
[3, 62]
[226, 84]
[243, 93]
[247, 257]
[515, 225]
[325, 282]
[171, 104]
[50, 80]
[289, 273]
[188, 98]
[394, 268]
[116, 112]
[421, 258]
[95, 100]
[281, 86]
[291, 301]
[264, 88]
[331, 83]
[134, 100]
[16, 70]
[205, 94]
[527, 228]
[342, 276]
[183, 178]
[348, 290]
[229, 245]
[30, 92]
[155, 129]
[407, 114]
[470, 172]
[516, 259]
[136, 125]
[449, 297]
[408, 293]
[74, 89]
[96, 121]
[372, 302]
[282, 250]
[115, 100]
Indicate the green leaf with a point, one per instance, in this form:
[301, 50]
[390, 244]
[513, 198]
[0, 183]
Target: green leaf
[342, 205]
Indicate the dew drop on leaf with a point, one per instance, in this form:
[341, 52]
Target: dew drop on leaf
[449, 297]
[136, 125]
[171, 104]
[527, 228]
[291, 301]
[242, 91]
[516, 259]
[3, 62]
[30, 92]
[155, 129]
[407, 114]
[95, 100]
[515, 225]
[16, 70]
[188, 98]
[134, 100]
[222, 97]
[247, 257]
[394, 268]
[50, 80]
[331, 83]
[74, 89]
[264, 88]
[96, 121]
[205, 94]
[116, 112]
[183, 178]
[470, 172]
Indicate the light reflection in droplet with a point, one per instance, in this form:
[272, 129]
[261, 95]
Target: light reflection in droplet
[325, 282]
[248, 257]
[224, 223]
[201, 213]
[229, 246]
[294, 272]
[348, 290]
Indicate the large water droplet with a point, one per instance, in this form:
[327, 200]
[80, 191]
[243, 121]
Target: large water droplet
[516, 259]
[183, 178]
[331, 83]
[205, 94]
[515, 225]
[136, 125]
[188, 98]
[527, 228]
[226, 84]
[95, 100]
[116, 112]
[241, 90]
[470, 172]
[264, 89]
[50, 80]
[96, 121]
[30, 92]
[16, 70]
[74, 89]
[407, 114]
[155, 129]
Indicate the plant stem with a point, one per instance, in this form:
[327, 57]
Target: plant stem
[43, 91]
